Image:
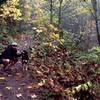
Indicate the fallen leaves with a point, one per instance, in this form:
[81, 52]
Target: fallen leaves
[22, 84]
[2, 78]
[57, 79]
[29, 87]
[52, 75]
[8, 87]
[39, 73]
[18, 76]
[40, 84]
[19, 95]
[33, 96]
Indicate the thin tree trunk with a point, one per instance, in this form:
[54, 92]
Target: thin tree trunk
[51, 11]
[59, 16]
[94, 3]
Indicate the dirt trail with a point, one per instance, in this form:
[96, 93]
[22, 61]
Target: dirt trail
[17, 85]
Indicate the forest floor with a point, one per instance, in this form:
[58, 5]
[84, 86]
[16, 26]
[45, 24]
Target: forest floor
[17, 85]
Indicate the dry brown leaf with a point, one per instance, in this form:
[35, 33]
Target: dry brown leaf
[42, 83]
[29, 87]
[33, 96]
[19, 95]
[8, 87]
[2, 78]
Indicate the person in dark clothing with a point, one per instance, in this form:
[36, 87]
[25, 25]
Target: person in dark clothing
[9, 55]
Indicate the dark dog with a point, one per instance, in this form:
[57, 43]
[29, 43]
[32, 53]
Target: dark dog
[25, 59]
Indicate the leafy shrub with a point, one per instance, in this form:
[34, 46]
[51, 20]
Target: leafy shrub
[69, 43]
[1, 47]
[48, 36]
[92, 55]
[1, 37]
[10, 39]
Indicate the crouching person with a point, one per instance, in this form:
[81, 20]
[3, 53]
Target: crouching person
[9, 55]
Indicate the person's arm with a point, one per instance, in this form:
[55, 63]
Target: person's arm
[18, 55]
[15, 54]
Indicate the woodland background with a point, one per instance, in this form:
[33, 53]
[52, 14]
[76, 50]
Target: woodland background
[65, 43]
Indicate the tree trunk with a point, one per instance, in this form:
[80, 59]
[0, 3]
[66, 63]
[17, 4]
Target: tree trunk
[59, 16]
[51, 11]
[94, 4]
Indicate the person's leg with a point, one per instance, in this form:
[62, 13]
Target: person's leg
[12, 63]
[4, 67]
[6, 62]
